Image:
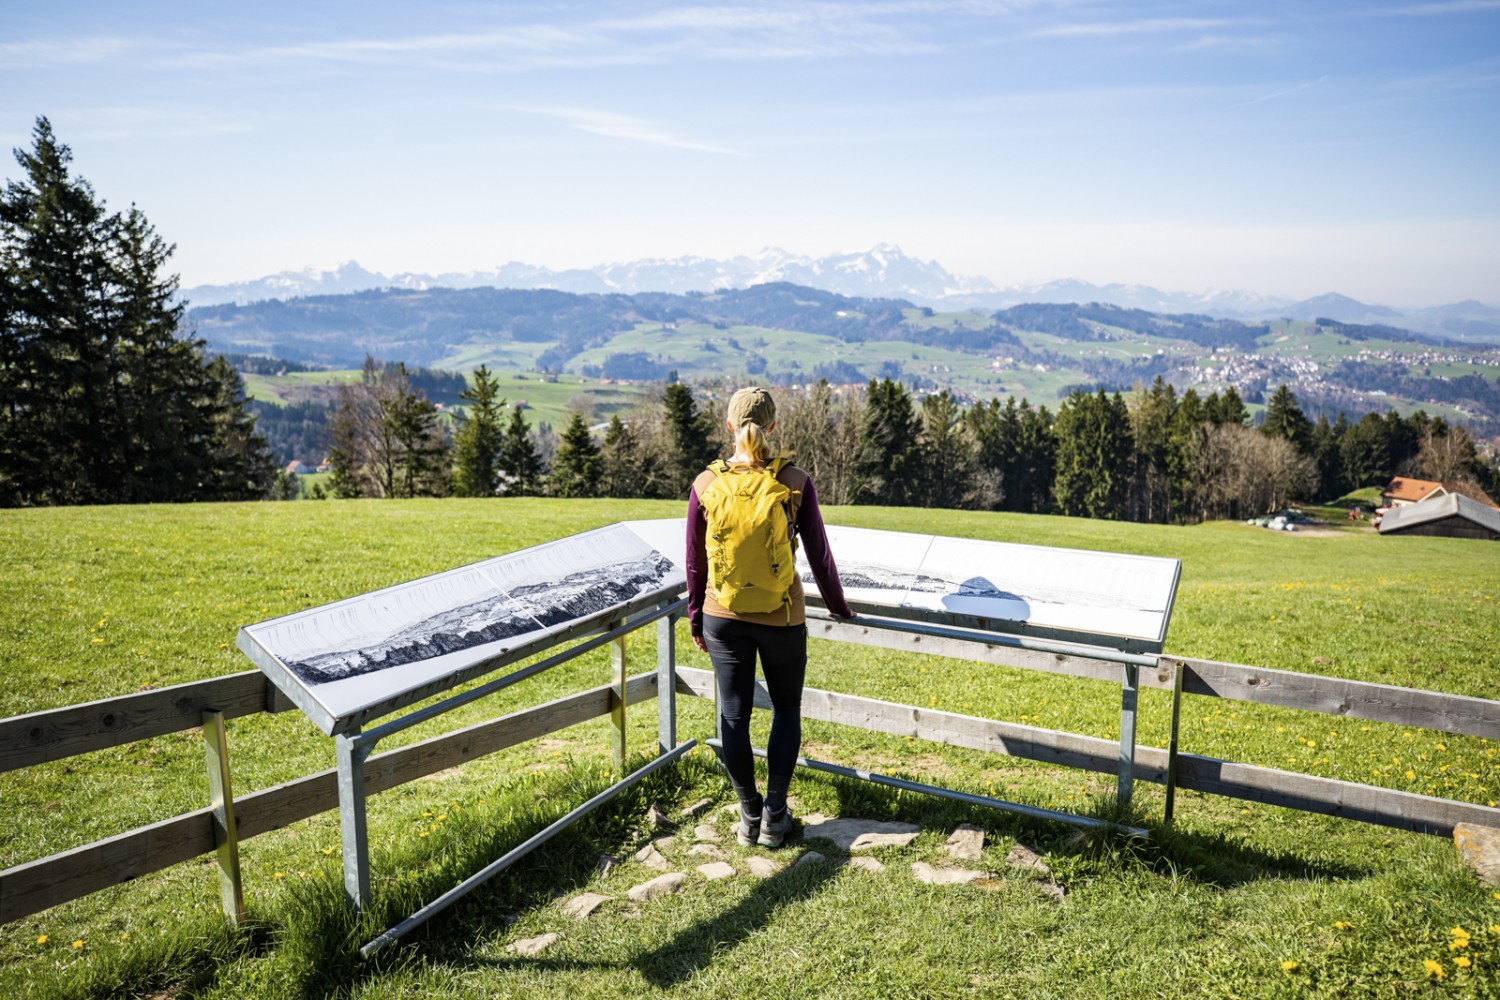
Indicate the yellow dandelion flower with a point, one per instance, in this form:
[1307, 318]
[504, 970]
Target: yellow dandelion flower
[41, 939]
[78, 944]
[1411, 775]
[1434, 969]
[1463, 961]
[1342, 925]
[1495, 928]
[1459, 932]
[1288, 965]
[327, 850]
[1458, 943]
[279, 875]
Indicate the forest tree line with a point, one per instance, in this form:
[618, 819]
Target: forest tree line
[1150, 455]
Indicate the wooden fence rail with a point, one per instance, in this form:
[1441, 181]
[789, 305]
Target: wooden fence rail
[37, 885]
[60, 733]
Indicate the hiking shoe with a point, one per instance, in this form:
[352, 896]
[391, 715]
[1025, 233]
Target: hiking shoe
[747, 832]
[773, 833]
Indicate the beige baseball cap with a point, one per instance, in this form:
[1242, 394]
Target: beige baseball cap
[752, 404]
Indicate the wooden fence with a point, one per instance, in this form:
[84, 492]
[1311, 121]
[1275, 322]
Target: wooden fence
[66, 732]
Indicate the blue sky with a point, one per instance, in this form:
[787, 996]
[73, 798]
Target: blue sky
[1286, 148]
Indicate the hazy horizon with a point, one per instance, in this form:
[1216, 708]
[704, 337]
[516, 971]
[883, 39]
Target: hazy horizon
[1283, 150]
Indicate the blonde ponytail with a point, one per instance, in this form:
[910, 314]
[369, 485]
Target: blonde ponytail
[750, 447]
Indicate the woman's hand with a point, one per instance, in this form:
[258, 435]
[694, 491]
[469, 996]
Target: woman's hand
[698, 641]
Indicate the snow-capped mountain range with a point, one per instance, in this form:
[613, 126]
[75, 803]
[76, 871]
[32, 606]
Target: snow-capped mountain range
[883, 271]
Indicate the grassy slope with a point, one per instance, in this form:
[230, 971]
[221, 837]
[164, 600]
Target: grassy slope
[100, 602]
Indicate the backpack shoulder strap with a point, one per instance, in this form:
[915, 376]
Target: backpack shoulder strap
[718, 467]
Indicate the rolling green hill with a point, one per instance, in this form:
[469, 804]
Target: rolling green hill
[785, 333]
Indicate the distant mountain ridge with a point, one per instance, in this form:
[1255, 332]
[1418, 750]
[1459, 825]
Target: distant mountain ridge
[883, 271]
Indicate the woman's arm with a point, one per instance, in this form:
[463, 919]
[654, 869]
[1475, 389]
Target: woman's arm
[697, 562]
[819, 557]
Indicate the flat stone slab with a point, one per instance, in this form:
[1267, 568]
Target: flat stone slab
[657, 818]
[1052, 891]
[707, 851]
[1479, 846]
[810, 858]
[580, 906]
[662, 885]
[533, 946]
[923, 872]
[664, 843]
[651, 858]
[866, 863]
[715, 870]
[697, 808]
[859, 834]
[705, 831]
[966, 843]
[764, 867]
[1021, 856]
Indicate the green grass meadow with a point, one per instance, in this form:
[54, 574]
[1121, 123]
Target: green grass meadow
[1236, 900]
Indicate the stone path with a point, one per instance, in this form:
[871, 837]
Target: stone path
[714, 844]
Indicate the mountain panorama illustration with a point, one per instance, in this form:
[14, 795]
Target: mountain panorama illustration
[891, 580]
[522, 610]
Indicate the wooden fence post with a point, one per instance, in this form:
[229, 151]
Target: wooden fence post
[617, 702]
[221, 801]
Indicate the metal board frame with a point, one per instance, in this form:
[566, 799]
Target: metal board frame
[332, 722]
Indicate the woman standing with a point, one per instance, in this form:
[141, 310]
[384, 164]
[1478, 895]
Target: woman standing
[733, 638]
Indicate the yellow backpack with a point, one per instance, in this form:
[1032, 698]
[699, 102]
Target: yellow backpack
[751, 559]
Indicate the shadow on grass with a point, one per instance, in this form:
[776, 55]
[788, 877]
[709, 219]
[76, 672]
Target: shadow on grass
[698, 946]
[1215, 859]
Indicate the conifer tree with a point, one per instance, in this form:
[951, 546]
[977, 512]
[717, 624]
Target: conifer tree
[1285, 420]
[477, 443]
[620, 460]
[948, 461]
[888, 466]
[520, 465]
[575, 469]
[1093, 455]
[103, 397]
[690, 439]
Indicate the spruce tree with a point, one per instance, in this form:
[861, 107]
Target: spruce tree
[888, 464]
[1093, 455]
[103, 398]
[1285, 420]
[947, 457]
[520, 464]
[620, 460]
[575, 469]
[477, 443]
[691, 441]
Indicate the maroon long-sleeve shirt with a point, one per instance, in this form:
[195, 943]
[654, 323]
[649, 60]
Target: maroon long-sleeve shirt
[814, 540]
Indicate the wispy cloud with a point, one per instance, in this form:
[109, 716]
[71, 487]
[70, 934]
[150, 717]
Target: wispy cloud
[73, 51]
[1447, 7]
[1277, 95]
[136, 122]
[1140, 26]
[625, 127]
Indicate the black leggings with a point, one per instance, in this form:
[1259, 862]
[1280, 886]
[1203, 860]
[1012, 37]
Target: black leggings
[732, 645]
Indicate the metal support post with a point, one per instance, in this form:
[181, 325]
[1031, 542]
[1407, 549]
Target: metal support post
[617, 703]
[221, 801]
[1177, 672]
[666, 684]
[1129, 696]
[356, 842]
